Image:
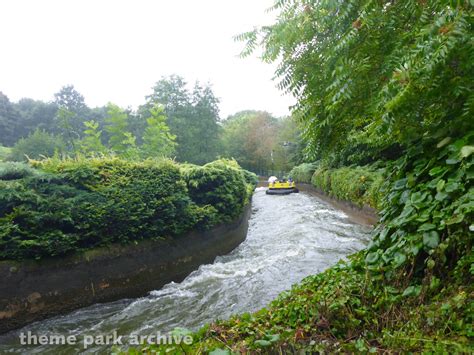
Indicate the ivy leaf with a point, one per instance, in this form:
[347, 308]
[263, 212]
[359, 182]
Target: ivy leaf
[431, 239]
[412, 291]
[273, 337]
[440, 185]
[262, 342]
[466, 151]
[437, 170]
[455, 219]
[400, 184]
[372, 258]
[426, 227]
[399, 259]
[451, 186]
[452, 161]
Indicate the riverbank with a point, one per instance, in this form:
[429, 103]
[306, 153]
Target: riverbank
[34, 290]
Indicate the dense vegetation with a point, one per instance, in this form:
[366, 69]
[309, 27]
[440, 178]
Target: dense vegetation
[360, 185]
[173, 122]
[390, 84]
[57, 206]
[260, 142]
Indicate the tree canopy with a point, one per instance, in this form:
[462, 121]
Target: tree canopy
[371, 77]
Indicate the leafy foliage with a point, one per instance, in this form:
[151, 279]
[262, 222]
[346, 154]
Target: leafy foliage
[372, 75]
[428, 213]
[303, 172]
[260, 142]
[4, 153]
[220, 184]
[343, 310]
[68, 205]
[117, 128]
[36, 145]
[360, 185]
[92, 143]
[192, 117]
[157, 139]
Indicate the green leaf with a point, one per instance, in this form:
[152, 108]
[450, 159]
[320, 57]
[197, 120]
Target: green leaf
[272, 337]
[400, 184]
[399, 259]
[426, 227]
[451, 186]
[440, 185]
[412, 291]
[466, 151]
[437, 170]
[415, 249]
[431, 239]
[443, 142]
[455, 219]
[262, 342]
[219, 352]
[372, 258]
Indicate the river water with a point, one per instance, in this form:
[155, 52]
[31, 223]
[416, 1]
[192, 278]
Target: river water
[289, 238]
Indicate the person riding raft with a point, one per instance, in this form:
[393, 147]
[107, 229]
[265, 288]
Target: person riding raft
[283, 187]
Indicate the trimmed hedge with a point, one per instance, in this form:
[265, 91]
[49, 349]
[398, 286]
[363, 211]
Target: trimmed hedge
[64, 206]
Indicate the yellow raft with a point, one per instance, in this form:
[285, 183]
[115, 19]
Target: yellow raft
[281, 187]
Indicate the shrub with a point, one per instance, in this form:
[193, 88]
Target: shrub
[74, 204]
[360, 185]
[220, 184]
[14, 171]
[38, 144]
[4, 153]
[303, 172]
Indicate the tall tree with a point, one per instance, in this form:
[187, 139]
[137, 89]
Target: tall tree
[121, 140]
[35, 114]
[91, 143]
[72, 112]
[8, 121]
[204, 125]
[373, 75]
[157, 139]
[251, 138]
[192, 117]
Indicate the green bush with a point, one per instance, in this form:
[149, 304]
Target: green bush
[360, 185]
[4, 153]
[14, 171]
[303, 172]
[220, 184]
[38, 144]
[69, 205]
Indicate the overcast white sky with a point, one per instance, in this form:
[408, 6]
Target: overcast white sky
[115, 50]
